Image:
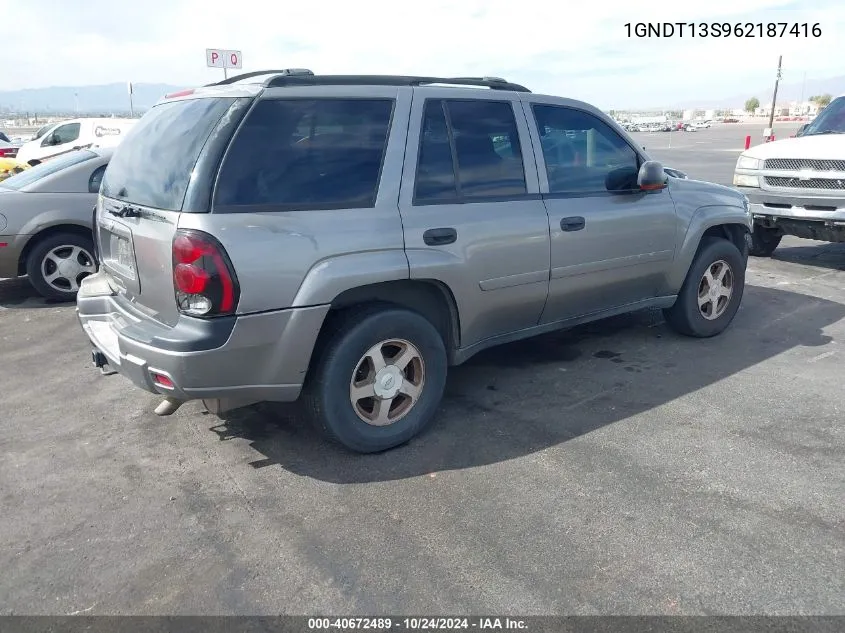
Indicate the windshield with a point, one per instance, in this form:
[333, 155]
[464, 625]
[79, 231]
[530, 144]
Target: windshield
[152, 166]
[831, 120]
[42, 130]
[34, 174]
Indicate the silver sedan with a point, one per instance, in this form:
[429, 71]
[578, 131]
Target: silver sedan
[45, 222]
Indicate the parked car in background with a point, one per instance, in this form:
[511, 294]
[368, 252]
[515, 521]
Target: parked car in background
[10, 166]
[796, 186]
[70, 135]
[45, 226]
[349, 238]
[8, 147]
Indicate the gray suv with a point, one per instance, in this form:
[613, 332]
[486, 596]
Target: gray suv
[346, 239]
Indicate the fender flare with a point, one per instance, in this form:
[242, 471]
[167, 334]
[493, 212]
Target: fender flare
[330, 277]
[704, 218]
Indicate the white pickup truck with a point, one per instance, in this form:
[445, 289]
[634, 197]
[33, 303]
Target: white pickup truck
[796, 186]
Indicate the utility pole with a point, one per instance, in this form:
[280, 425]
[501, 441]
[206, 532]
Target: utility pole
[775, 95]
[803, 85]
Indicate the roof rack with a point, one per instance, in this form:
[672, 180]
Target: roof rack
[310, 79]
[286, 72]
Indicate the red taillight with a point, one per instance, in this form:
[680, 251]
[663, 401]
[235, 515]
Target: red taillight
[8, 151]
[190, 279]
[203, 277]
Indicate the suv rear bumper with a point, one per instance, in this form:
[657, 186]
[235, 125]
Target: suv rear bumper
[251, 357]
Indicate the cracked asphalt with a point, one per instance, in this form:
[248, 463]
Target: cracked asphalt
[616, 468]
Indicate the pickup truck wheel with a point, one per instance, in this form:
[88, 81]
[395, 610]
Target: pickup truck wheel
[377, 380]
[712, 291]
[764, 241]
[57, 264]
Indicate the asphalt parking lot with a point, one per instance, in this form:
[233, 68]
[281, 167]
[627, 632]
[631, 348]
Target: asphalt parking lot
[617, 468]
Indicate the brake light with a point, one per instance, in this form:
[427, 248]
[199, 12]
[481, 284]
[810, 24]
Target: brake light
[180, 93]
[203, 277]
[9, 152]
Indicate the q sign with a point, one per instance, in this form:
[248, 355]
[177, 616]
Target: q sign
[222, 58]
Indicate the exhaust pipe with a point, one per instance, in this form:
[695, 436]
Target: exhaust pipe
[168, 406]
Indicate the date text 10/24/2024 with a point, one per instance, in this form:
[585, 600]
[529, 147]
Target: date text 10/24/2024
[724, 29]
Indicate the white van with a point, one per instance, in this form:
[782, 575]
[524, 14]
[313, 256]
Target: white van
[70, 135]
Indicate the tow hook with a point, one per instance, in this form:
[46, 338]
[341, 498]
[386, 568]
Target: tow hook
[168, 406]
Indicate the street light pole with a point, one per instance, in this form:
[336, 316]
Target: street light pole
[775, 95]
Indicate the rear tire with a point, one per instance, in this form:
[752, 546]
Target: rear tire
[712, 291]
[377, 378]
[764, 241]
[58, 263]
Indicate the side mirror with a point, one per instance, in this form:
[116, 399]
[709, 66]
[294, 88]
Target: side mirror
[801, 129]
[651, 176]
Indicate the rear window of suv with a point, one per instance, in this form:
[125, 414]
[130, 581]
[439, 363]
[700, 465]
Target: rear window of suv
[301, 154]
[152, 166]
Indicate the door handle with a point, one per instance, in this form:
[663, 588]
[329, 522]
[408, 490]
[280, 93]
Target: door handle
[575, 223]
[436, 237]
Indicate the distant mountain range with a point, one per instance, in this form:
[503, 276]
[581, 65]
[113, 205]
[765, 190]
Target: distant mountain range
[114, 98]
[787, 92]
[109, 98]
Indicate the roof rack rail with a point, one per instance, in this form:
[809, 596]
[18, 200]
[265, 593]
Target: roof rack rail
[494, 83]
[286, 72]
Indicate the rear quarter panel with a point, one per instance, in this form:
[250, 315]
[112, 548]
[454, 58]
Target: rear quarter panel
[701, 205]
[30, 213]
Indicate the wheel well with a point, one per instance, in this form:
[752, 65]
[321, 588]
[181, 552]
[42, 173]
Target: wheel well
[734, 233]
[432, 299]
[74, 229]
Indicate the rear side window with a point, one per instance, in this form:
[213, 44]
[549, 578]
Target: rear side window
[96, 179]
[152, 166]
[299, 154]
[478, 142]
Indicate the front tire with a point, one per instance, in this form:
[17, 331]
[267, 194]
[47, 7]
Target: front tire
[712, 291]
[764, 241]
[377, 379]
[57, 264]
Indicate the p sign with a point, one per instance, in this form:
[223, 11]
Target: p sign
[222, 58]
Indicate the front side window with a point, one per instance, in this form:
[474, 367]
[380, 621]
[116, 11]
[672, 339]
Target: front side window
[469, 150]
[582, 153]
[297, 154]
[63, 134]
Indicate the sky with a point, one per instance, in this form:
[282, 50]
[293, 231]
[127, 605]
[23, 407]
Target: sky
[576, 49]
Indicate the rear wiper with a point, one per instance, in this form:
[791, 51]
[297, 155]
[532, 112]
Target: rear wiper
[126, 212]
